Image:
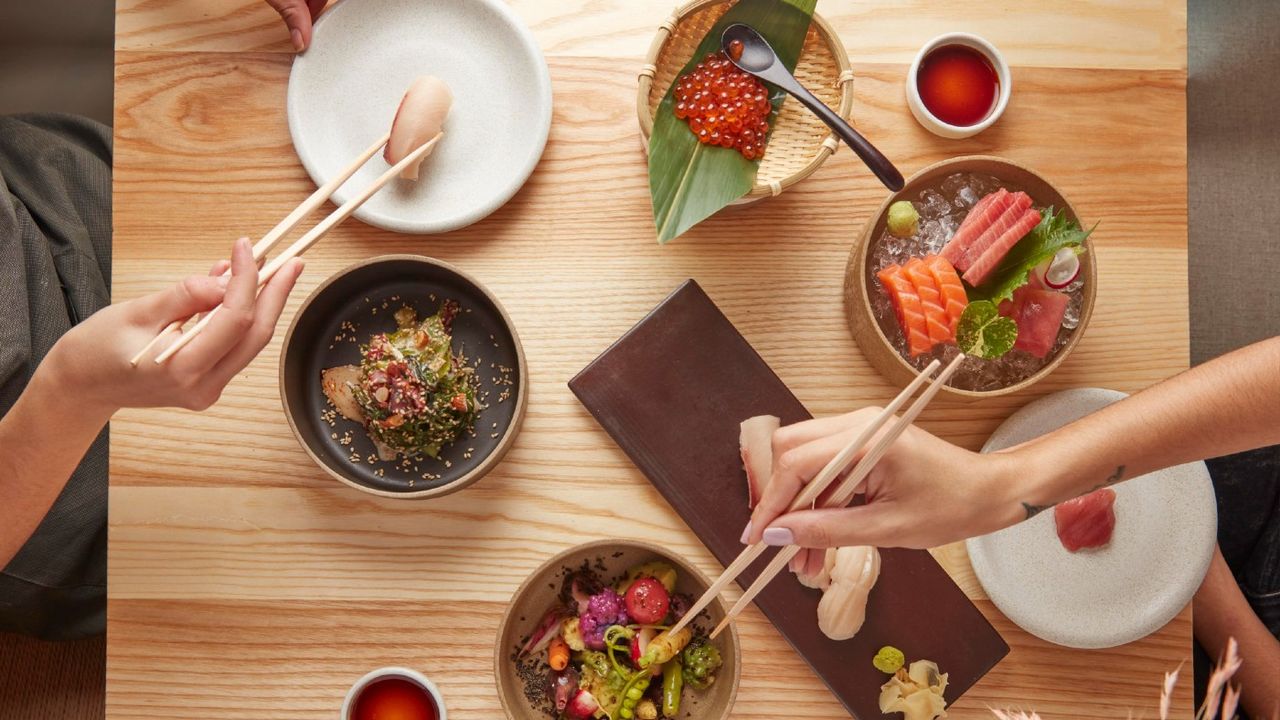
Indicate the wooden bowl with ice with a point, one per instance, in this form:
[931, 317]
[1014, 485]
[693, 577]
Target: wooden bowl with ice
[976, 254]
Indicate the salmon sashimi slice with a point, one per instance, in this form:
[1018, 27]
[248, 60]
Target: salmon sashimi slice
[1087, 521]
[1019, 205]
[907, 305]
[983, 214]
[986, 264]
[954, 299]
[937, 324]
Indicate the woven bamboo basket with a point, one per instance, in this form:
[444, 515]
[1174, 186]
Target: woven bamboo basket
[799, 142]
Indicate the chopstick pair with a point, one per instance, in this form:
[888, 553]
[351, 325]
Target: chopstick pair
[269, 241]
[814, 489]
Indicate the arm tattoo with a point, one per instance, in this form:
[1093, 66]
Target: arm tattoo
[1115, 477]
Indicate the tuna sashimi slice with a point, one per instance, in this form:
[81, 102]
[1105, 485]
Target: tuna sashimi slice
[984, 212]
[755, 442]
[937, 325]
[986, 264]
[954, 299]
[1038, 314]
[1087, 521]
[1019, 202]
[907, 305]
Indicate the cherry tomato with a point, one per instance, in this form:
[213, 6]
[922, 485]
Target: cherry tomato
[647, 601]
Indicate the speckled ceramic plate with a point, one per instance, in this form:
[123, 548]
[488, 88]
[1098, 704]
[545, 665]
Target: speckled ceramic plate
[344, 91]
[1166, 527]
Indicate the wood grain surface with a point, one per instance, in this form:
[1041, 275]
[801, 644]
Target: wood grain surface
[244, 583]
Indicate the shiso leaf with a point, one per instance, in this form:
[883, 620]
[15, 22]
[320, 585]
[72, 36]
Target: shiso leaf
[1054, 232]
[690, 181]
[983, 332]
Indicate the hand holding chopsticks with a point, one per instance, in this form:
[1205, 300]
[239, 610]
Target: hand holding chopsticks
[304, 243]
[813, 490]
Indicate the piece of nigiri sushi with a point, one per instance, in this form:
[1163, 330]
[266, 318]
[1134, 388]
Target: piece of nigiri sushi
[419, 118]
[755, 442]
[843, 606]
[1087, 521]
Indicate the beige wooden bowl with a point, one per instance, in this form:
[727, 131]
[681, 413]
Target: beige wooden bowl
[799, 142]
[878, 349]
[610, 559]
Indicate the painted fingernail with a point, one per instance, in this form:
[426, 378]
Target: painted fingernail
[779, 537]
[746, 533]
[297, 40]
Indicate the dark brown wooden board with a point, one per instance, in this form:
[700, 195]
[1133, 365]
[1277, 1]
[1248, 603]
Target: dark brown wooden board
[671, 393]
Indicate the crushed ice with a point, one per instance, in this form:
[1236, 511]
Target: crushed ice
[942, 209]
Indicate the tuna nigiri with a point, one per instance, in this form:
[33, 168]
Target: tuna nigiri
[755, 443]
[1087, 521]
[418, 120]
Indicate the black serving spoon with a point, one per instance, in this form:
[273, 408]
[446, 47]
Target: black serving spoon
[759, 59]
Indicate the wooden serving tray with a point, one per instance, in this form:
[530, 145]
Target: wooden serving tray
[671, 393]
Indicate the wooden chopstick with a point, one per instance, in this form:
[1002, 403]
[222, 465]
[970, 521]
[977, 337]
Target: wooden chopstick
[304, 243]
[844, 491]
[268, 241]
[807, 495]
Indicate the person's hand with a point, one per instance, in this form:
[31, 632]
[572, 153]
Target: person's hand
[92, 359]
[298, 16]
[924, 492]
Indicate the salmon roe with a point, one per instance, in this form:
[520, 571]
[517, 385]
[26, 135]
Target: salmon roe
[724, 106]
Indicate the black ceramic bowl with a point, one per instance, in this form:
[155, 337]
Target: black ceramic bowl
[360, 301]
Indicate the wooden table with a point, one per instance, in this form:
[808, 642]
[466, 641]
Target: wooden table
[245, 583]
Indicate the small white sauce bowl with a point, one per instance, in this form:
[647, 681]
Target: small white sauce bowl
[932, 123]
[413, 676]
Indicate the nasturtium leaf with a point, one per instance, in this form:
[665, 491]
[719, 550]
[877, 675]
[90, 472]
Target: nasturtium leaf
[690, 181]
[983, 332]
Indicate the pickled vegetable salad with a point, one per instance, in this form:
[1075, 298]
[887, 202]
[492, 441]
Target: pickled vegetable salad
[411, 392]
[607, 653]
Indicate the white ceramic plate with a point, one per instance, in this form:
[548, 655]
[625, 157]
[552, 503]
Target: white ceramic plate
[344, 91]
[1166, 527]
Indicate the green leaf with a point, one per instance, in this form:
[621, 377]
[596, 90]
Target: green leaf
[690, 181]
[1054, 232]
[983, 332]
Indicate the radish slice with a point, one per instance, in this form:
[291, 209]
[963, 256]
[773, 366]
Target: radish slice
[1058, 271]
[1063, 269]
[419, 118]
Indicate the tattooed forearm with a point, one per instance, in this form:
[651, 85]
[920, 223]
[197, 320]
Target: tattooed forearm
[1115, 477]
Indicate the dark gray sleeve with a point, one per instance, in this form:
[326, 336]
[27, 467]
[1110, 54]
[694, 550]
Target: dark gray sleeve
[55, 270]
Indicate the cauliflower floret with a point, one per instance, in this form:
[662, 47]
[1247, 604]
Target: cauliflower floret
[605, 608]
[571, 631]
